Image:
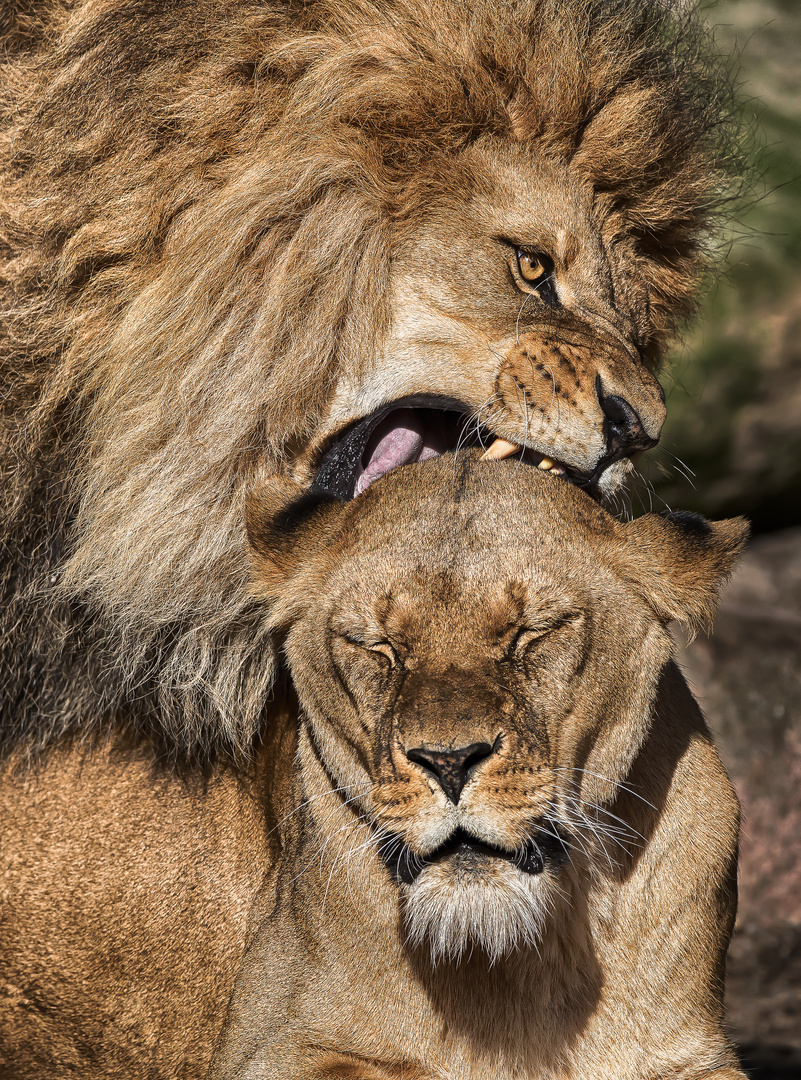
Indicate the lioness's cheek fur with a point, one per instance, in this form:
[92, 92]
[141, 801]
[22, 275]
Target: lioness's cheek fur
[231, 231]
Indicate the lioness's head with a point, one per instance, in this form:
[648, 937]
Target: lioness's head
[476, 647]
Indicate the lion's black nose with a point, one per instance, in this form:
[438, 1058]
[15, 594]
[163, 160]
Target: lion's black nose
[452, 768]
[625, 434]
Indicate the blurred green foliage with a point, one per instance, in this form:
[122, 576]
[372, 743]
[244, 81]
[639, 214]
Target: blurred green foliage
[734, 387]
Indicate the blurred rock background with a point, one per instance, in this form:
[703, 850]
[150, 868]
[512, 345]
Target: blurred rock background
[734, 420]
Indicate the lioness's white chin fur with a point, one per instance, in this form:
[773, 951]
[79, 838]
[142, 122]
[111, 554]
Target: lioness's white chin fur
[495, 912]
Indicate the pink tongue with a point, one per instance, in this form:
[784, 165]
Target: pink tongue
[398, 440]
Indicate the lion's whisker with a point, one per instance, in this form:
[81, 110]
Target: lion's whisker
[338, 858]
[583, 822]
[320, 850]
[681, 466]
[626, 827]
[473, 418]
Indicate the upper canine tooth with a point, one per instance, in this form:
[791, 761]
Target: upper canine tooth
[546, 463]
[500, 449]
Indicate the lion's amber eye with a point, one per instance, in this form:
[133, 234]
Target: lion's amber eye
[535, 268]
[534, 274]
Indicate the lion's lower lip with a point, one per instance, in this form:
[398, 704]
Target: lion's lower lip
[410, 430]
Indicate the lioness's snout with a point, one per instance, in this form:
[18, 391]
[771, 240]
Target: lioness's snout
[451, 768]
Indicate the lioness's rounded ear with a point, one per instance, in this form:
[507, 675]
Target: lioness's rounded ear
[678, 562]
[286, 524]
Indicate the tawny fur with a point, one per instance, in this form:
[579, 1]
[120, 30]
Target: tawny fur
[138, 904]
[511, 613]
[200, 205]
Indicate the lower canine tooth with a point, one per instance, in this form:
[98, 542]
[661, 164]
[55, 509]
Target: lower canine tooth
[546, 463]
[500, 449]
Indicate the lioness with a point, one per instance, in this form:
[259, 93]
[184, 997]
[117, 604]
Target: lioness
[508, 846]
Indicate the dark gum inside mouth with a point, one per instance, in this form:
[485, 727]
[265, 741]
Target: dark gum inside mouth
[410, 430]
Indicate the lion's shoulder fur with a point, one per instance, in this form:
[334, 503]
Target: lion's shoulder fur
[199, 202]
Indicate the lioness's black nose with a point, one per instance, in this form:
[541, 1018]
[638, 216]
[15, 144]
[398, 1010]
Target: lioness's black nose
[451, 767]
[625, 434]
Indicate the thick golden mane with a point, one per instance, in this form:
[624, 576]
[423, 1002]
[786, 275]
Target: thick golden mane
[199, 206]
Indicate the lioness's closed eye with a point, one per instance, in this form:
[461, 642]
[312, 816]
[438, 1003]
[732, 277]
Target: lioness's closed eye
[505, 799]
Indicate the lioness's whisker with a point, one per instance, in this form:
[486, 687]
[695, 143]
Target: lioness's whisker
[327, 886]
[620, 837]
[340, 855]
[317, 851]
[580, 807]
[374, 840]
[625, 829]
[369, 842]
[597, 836]
[323, 826]
[543, 830]
[620, 504]
[320, 851]
[652, 493]
[341, 829]
[335, 862]
[522, 392]
[681, 467]
[603, 832]
[580, 843]
[618, 784]
[322, 795]
[578, 821]
[553, 392]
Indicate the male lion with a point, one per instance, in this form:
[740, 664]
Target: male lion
[506, 847]
[319, 239]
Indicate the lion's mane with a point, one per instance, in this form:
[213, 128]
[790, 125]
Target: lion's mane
[198, 206]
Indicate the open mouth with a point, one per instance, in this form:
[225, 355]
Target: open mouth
[409, 430]
[545, 849]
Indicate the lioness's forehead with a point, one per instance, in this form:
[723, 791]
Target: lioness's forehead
[489, 588]
[491, 542]
[481, 513]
